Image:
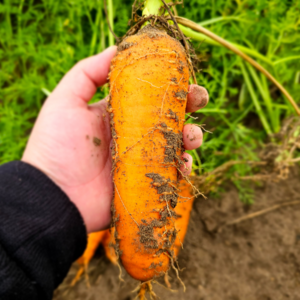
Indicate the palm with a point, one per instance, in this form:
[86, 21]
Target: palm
[81, 165]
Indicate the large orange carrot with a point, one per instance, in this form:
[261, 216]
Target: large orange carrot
[149, 84]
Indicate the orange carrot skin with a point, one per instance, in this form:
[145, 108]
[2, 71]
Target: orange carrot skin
[94, 239]
[106, 238]
[149, 84]
[183, 210]
[108, 243]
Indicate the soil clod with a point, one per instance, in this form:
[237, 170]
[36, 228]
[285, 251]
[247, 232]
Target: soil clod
[172, 115]
[174, 143]
[125, 45]
[181, 95]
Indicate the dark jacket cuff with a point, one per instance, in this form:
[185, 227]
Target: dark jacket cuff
[41, 230]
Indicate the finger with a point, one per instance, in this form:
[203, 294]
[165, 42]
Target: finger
[197, 98]
[192, 136]
[81, 82]
[186, 168]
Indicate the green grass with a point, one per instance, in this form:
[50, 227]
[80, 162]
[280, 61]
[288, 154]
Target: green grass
[41, 40]
[254, 108]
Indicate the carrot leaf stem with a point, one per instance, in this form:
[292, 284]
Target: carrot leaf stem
[153, 7]
[230, 46]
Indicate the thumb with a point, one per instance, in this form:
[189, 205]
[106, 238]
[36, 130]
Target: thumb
[81, 82]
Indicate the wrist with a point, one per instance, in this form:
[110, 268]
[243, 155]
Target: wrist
[39, 166]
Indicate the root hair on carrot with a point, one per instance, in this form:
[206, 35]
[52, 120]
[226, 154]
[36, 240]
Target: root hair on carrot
[186, 178]
[163, 100]
[176, 269]
[143, 289]
[167, 282]
[86, 275]
[126, 207]
[120, 270]
[77, 277]
[158, 87]
[168, 285]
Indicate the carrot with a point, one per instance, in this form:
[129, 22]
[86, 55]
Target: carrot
[183, 210]
[94, 239]
[148, 89]
[109, 243]
[106, 238]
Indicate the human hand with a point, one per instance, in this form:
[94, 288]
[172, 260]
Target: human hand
[70, 141]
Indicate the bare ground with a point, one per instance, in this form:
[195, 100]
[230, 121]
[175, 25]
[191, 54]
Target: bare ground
[258, 259]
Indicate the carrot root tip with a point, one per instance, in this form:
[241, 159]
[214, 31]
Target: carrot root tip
[176, 269]
[145, 288]
[167, 282]
[77, 277]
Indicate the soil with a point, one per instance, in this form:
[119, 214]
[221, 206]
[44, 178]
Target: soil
[258, 259]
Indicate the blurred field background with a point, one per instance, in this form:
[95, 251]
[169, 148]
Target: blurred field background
[41, 40]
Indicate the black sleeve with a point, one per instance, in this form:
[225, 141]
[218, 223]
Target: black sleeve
[41, 233]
